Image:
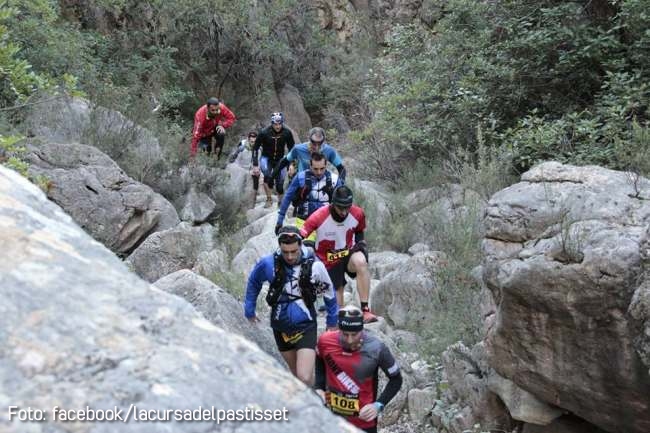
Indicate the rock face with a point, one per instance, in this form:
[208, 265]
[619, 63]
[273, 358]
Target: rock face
[171, 250]
[79, 330]
[76, 120]
[466, 399]
[219, 307]
[198, 207]
[292, 107]
[640, 308]
[407, 296]
[115, 209]
[564, 257]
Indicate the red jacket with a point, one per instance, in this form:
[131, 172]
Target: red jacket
[204, 126]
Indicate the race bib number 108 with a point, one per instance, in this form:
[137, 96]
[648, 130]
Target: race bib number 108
[344, 405]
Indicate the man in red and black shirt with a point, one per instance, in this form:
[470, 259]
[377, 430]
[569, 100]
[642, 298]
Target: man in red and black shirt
[347, 363]
[211, 120]
[340, 245]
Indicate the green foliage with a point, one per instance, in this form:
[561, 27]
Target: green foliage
[547, 80]
[457, 233]
[485, 171]
[12, 154]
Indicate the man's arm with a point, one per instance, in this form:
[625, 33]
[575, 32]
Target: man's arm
[310, 225]
[390, 367]
[196, 132]
[255, 281]
[256, 148]
[341, 180]
[335, 159]
[227, 117]
[293, 189]
[290, 142]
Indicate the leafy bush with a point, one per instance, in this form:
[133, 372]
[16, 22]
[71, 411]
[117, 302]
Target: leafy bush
[547, 80]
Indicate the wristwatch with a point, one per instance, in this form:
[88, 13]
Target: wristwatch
[379, 405]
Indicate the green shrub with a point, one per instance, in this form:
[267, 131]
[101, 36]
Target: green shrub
[232, 282]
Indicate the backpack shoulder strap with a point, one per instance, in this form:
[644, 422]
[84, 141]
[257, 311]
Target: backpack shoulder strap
[306, 189]
[329, 189]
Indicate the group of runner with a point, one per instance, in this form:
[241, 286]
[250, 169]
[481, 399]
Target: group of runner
[310, 263]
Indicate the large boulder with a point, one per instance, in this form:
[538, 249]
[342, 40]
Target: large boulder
[374, 199]
[466, 399]
[219, 307]
[640, 307]
[408, 296]
[113, 208]
[197, 208]
[384, 262]
[79, 331]
[171, 250]
[294, 111]
[76, 120]
[563, 258]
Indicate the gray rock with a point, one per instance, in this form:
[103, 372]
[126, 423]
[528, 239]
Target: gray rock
[60, 120]
[373, 198]
[76, 120]
[239, 184]
[171, 250]
[219, 307]
[563, 424]
[640, 306]
[418, 248]
[211, 262]
[197, 208]
[420, 403]
[466, 398]
[384, 262]
[115, 209]
[292, 107]
[561, 329]
[407, 296]
[79, 330]
[521, 404]
[254, 249]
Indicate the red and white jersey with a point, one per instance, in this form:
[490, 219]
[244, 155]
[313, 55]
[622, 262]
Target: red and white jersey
[334, 239]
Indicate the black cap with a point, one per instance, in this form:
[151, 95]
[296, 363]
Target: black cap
[350, 319]
[213, 101]
[342, 196]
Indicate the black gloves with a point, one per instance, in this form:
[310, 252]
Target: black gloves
[277, 228]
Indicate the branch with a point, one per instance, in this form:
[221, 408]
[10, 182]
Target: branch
[27, 104]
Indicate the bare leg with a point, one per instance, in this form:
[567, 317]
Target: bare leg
[339, 296]
[359, 265]
[290, 358]
[306, 360]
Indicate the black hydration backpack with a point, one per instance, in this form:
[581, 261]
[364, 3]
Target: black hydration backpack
[302, 198]
[308, 291]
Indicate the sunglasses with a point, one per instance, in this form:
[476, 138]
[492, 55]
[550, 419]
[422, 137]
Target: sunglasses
[252, 136]
[289, 238]
[315, 142]
[349, 313]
